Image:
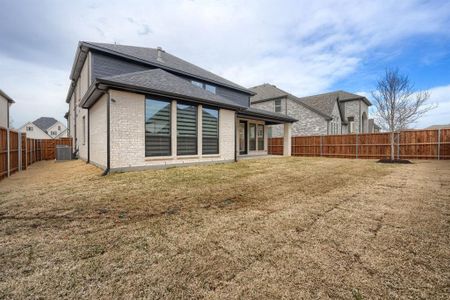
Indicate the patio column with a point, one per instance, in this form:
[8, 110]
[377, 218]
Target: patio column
[287, 139]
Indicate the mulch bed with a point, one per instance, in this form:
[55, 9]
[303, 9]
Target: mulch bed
[395, 161]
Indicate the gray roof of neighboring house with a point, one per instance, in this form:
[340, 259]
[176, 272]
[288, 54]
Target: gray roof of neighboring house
[325, 102]
[167, 61]
[266, 115]
[158, 81]
[45, 123]
[438, 126]
[10, 100]
[268, 91]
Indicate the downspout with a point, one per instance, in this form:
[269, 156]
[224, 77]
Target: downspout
[88, 136]
[108, 137]
[235, 136]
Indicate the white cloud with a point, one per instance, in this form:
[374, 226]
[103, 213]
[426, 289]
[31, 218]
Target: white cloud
[441, 114]
[301, 46]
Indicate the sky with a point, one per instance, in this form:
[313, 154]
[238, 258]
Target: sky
[303, 47]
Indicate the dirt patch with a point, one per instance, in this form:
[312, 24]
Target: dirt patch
[269, 228]
[394, 161]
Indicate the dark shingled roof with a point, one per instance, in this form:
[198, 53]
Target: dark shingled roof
[325, 102]
[266, 115]
[162, 82]
[167, 61]
[44, 123]
[268, 91]
[10, 100]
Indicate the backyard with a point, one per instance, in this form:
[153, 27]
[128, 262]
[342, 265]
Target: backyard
[267, 228]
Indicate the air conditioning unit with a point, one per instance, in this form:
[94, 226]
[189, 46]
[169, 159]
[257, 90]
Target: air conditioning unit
[63, 152]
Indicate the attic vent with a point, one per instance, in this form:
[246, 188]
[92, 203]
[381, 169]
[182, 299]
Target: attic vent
[160, 51]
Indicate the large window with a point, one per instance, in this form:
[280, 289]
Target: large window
[260, 137]
[278, 105]
[210, 131]
[186, 129]
[252, 134]
[157, 128]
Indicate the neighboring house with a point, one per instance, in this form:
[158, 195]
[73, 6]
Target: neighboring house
[373, 127]
[443, 126]
[5, 103]
[133, 107]
[325, 114]
[44, 128]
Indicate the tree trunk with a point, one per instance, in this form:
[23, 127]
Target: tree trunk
[392, 145]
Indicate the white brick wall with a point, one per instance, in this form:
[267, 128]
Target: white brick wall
[4, 106]
[309, 122]
[128, 135]
[98, 132]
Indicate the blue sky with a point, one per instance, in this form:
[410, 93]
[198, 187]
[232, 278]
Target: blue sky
[304, 47]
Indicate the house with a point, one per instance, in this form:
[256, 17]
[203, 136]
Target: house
[44, 128]
[438, 126]
[337, 112]
[5, 103]
[134, 107]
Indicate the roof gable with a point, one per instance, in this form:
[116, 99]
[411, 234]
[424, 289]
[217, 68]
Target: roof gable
[266, 91]
[44, 123]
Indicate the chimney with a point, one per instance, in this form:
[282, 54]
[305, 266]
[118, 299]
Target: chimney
[160, 51]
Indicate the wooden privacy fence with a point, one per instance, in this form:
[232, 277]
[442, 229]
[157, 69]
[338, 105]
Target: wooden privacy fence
[409, 144]
[17, 151]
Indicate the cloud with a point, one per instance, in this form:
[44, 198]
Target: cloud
[302, 46]
[441, 114]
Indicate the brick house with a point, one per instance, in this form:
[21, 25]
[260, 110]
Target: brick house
[337, 112]
[134, 108]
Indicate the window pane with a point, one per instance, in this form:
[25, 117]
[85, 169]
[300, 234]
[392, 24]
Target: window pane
[196, 83]
[260, 137]
[252, 139]
[186, 129]
[210, 131]
[277, 105]
[157, 128]
[210, 88]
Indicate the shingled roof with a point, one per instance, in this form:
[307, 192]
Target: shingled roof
[268, 91]
[45, 123]
[160, 82]
[163, 60]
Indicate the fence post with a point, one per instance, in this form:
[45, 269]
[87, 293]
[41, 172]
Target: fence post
[439, 145]
[398, 145]
[356, 144]
[8, 152]
[19, 150]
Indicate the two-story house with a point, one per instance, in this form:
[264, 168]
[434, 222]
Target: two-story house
[135, 107]
[337, 112]
[5, 104]
[44, 128]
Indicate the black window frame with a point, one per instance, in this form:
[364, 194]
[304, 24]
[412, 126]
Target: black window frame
[218, 129]
[150, 97]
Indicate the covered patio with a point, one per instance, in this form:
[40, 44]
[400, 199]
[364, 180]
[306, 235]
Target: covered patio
[252, 126]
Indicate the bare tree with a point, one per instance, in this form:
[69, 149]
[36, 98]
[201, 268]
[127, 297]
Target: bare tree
[398, 104]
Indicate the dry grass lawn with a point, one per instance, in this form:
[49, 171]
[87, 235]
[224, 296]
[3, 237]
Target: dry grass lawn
[268, 228]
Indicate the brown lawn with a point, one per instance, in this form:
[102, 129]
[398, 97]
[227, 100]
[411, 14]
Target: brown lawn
[268, 228]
